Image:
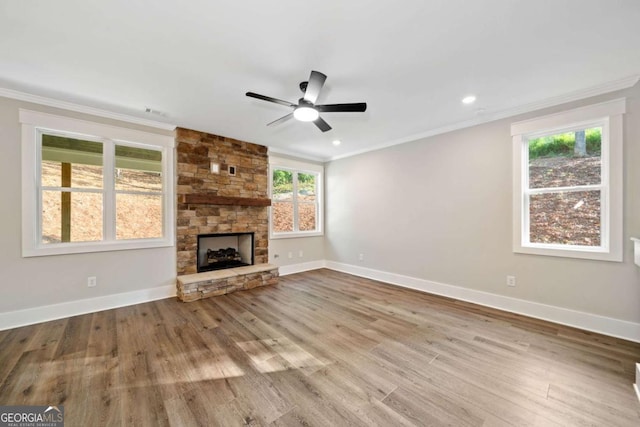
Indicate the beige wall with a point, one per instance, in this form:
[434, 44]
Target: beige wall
[312, 250]
[440, 209]
[41, 281]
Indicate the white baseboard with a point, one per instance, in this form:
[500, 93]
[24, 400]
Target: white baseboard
[30, 316]
[564, 316]
[299, 268]
[578, 319]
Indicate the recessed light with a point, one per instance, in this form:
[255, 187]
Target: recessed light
[468, 99]
[336, 142]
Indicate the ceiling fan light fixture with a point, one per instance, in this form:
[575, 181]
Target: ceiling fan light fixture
[305, 114]
[306, 110]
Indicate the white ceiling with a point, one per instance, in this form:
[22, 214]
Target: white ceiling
[412, 61]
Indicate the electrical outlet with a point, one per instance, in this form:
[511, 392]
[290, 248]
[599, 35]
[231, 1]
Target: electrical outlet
[361, 257]
[511, 280]
[300, 254]
[290, 255]
[92, 281]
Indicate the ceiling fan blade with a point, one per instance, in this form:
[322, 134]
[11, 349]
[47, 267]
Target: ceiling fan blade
[316, 81]
[270, 99]
[356, 107]
[322, 125]
[280, 120]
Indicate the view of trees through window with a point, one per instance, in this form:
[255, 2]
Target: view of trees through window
[293, 192]
[72, 179]
[564, 188]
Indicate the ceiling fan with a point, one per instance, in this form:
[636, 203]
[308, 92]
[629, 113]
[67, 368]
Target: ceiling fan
[306, 109]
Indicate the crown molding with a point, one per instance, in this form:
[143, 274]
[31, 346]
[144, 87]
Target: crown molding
[601, 89]
[297, 155]
[70, 106]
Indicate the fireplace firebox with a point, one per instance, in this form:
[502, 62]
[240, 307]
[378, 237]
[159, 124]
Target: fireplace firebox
[224, 250]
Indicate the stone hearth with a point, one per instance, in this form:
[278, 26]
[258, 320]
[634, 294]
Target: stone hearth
[192, 287]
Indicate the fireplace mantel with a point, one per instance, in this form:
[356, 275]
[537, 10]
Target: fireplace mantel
[214, 199]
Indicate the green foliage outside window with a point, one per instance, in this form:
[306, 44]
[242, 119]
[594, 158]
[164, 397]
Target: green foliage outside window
[563, 144]
[283, 181]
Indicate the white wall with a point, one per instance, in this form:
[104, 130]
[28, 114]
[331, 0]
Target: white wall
[35, 284]
[440, 209]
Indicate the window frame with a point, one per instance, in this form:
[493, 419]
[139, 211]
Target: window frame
[34, 124]
[297, 167]
[609, 116]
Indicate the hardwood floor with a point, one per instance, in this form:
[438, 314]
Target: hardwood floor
[320, 348]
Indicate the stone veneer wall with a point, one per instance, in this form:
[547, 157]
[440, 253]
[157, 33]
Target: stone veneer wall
[195, 152]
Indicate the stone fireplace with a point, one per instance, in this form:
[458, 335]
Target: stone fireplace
[222, 189]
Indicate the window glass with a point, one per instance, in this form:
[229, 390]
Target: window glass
[70, 162]
[138, 182]
[71, 217]
[565, 218]
[72, 179]
[282, 217]
[307, 214]
[282, 201]
[306, 187]
[138, 169]
[566, 159]
[306, 201]
[295, 202]
[282, 185]
[138, 216]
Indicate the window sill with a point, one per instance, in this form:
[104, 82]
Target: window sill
[87, 247]
[597, 254]
[297, 235]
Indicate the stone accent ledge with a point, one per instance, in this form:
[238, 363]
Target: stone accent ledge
[192, 287]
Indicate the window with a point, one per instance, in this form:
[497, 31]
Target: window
[568, 183]
[89, 187]
[296, 200]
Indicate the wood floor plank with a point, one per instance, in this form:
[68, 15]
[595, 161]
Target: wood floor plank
[320, 348]
[22, 381]
[430, 408]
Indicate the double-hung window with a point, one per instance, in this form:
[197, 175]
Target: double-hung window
[568, 183]
[89, 187]
[296, 200]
